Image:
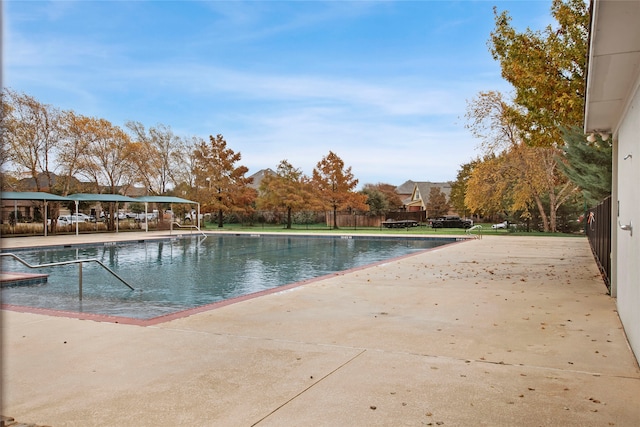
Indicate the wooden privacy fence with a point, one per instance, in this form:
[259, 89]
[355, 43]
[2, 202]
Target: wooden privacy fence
[347, 220]
[598, 230]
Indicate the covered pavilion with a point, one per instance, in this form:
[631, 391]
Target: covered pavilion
[94, 197]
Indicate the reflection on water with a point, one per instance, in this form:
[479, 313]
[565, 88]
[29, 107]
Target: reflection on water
[178, 274]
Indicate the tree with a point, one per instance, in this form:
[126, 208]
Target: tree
[588, 165]
[335, 184]
[224, 184]
[158, 153]
[459, 187]
[382, 198]
[185, 176]
[547, 70]
[529, 174]
[488, 186]
[437, 204]
[5, 128]
[376, 200]
[31, 130]
[288, 189]
[78, 133]
[108, 161]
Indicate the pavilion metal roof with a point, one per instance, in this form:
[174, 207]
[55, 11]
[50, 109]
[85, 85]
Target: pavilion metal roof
[88, 197]
[33, 195]
[164, 199]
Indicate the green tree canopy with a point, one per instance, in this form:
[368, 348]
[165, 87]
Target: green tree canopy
[588, 164]
[381, 198]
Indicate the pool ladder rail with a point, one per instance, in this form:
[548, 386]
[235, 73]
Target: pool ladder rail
[192, 227]
[73, 261]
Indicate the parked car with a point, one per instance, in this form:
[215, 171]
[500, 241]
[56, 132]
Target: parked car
[402, 223]
[150, 216]
[503, 225]
[191, 216]
[64, 220]
[451, 221]
[121, 216]
[80, 217]
[72, 219]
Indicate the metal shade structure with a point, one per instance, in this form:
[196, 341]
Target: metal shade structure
[165, 199]
[90, 197]
[34, 195]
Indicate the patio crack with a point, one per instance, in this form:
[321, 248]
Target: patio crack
[308, 388]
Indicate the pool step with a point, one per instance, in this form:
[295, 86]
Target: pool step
[22, 279]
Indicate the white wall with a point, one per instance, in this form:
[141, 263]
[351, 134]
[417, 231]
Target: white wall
[627, 274]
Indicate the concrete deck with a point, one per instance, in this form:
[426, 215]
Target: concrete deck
[499, 331]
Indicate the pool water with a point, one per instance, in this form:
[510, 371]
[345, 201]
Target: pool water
[183, 273]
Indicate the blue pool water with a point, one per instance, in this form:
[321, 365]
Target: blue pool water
[183, 273]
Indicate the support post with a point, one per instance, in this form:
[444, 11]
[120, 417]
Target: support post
[77, 219]
[80, 280]
[46, 225]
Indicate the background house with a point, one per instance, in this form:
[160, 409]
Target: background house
[415, 195]
[612, 109]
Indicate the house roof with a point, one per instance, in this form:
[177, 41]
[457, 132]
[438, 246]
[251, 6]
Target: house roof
[259, 176]
[613, 63]
[406, 187]
[421, 190]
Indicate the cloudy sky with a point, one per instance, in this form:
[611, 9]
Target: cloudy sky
[383, 84]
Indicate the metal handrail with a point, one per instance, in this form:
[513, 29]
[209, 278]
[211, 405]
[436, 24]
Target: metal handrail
[477, 228]
[189, 226]
[73, 261]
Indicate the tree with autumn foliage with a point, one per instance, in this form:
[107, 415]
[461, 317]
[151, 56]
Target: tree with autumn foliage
[515, 176]
[107, 161]
[32, 132]
[224, 186]
[157, 152]
[459, 188]
[437, 204]
[381, 198]
[78, 132]
[288, 189]
[335, 186]
[30, 136]
[547, 71]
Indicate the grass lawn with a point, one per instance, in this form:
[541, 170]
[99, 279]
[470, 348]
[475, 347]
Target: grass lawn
[323, 228]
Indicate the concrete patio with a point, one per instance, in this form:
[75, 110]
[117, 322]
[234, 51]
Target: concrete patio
[499, 331]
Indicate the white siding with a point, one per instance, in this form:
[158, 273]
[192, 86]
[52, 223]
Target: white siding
[628, 211]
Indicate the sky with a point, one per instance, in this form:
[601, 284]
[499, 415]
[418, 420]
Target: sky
[382, 84]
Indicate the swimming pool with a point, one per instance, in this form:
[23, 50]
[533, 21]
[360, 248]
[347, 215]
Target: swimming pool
[178, 274]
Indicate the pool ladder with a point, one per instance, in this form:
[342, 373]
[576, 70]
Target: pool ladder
[73, 261]
[192, 227]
